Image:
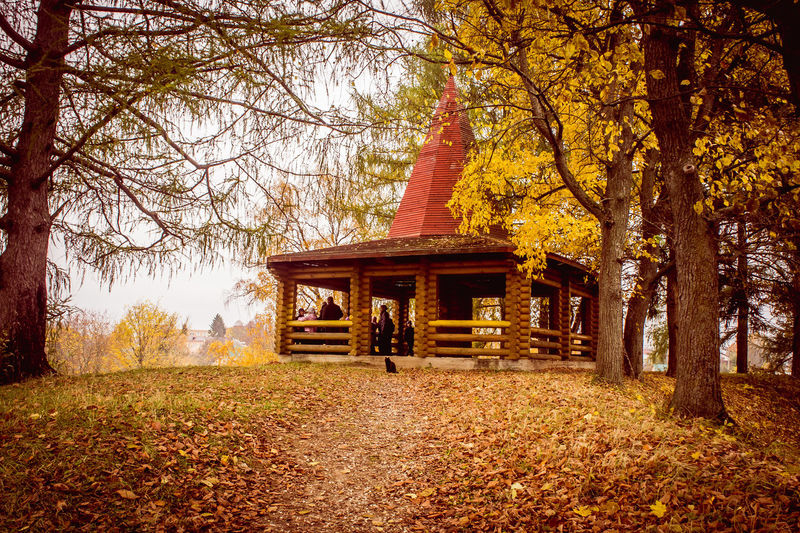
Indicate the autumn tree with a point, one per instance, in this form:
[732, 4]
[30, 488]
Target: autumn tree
[133, 131]
[581, 127]
[217, 328]
[147, 336]
[258, 349]
[81, 343]
[693, 82]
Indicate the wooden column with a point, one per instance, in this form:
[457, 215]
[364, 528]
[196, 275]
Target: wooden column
[431, 309]
[394, 312]
[360, 321]
[285, 304]
[422, 317]
[346, 300]
[512, 311]
[361, 305]
[563, 317]
[524, 315]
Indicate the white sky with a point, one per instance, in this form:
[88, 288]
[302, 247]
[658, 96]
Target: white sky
[196, 296]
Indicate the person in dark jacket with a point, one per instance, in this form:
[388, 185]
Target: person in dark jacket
[330, 311]
[385, 331]
[408, 337]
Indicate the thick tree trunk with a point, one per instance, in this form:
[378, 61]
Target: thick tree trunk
[743, 306]
[609, 346]
[610, 349]
[23, 264]
[672, 322]
[697, 385]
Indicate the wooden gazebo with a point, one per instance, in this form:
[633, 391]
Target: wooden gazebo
[425, 264]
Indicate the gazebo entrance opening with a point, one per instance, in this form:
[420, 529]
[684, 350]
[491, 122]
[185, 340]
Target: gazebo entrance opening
[397, 293]
[467, 297]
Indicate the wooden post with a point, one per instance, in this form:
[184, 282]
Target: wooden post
[421, 317]
[432, 310]
[286, 300]
[563, 317]
[362, 313]
[360, 322]
[524, 315]
[402, 317]
[394, 312]
[512, 311]
[346, 300]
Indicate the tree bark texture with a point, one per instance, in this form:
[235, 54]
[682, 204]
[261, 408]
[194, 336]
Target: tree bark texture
[796, 316]
[23, 264]
[612, 213]
[614, 230]
[743, 306]
[697, 387]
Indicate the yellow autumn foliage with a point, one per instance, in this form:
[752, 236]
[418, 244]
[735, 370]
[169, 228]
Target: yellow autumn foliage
[147, 336]
[258, 351]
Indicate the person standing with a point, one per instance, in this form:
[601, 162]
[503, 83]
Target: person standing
[330, 311]
[385, 331]
[408, 337]
[373, 336]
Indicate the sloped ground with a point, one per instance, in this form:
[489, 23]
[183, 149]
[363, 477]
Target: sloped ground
[331, 448]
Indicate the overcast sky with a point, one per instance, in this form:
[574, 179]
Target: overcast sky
[196, 296]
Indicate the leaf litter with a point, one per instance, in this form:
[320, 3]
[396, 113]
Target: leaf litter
[333, 448]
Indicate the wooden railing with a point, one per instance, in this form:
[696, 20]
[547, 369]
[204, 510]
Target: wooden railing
[316, 341]
[472, 337]
[547, 344]
[580, 345]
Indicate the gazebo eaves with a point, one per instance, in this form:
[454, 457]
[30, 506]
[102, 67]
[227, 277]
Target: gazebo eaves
[427, 245]
[401, 247]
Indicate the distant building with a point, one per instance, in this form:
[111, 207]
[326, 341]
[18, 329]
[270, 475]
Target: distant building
[196, 339]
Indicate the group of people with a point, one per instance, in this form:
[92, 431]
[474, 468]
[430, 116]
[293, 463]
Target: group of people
[382, 326]
[329, 311]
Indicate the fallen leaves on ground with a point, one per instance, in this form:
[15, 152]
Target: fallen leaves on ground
[319, 447]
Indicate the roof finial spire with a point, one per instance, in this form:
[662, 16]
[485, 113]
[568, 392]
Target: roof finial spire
[423, 209]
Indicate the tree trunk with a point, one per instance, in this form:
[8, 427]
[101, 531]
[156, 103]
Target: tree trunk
[672, 322]
[633, 338]
[614, 228]
[743, 306]
[796, 317]
[23, 264]
[609, 345]
[697, 386]
[636, 316]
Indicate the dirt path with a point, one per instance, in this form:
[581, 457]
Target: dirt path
[354, 461]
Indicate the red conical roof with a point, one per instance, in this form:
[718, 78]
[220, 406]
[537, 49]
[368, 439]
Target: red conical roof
[423, 209]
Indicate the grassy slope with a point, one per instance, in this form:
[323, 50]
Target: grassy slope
[195, 448]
